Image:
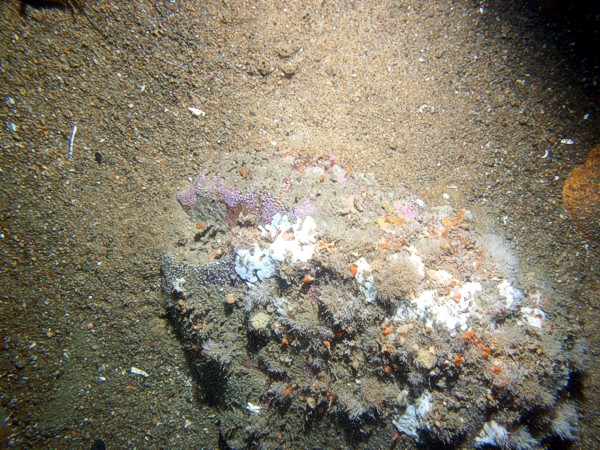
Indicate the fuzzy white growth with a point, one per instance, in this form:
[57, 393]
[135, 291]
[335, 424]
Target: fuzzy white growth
[414, 257]
[534, 317]
[419, 308]
[452, 312]
[284, 308]
[492, 434]
[260, 296]
[292, 242]
[254, 266]
[298, 249]
[498, 250]
[498, 436]
[566, 421]
[511, 295]
[455, 311]
[440, 277]
[413, 418]
[521, 439]
[365, 279]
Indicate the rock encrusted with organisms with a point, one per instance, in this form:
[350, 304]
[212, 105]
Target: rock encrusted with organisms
[359, 320]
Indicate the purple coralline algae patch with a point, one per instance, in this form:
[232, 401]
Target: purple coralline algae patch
[187, 198]
[259, 202]
[231, 197]
[304, 210]
[269, 206]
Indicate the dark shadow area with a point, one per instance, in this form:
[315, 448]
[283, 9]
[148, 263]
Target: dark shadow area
[72, 5]
[576, 26]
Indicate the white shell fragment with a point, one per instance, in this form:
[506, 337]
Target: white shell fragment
[253, 408]
[197, 112]
[136, 371]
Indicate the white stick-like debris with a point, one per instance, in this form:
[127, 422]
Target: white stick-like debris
[73, 131]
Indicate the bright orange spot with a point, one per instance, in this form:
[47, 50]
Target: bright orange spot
[387, 330]
[287, 391]
[447, 222]
[496, 368]
[458, 360]
[285, 341]
[327, 345]
[308, 279]
[353, 269]
[469, 335]
[199, 225]
[388, 369]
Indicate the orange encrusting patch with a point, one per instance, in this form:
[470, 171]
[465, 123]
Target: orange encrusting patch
[469, 336]
[449, 223]
[581, 195]
[389, 221]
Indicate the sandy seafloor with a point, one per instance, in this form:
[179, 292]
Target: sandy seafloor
[471, 99]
